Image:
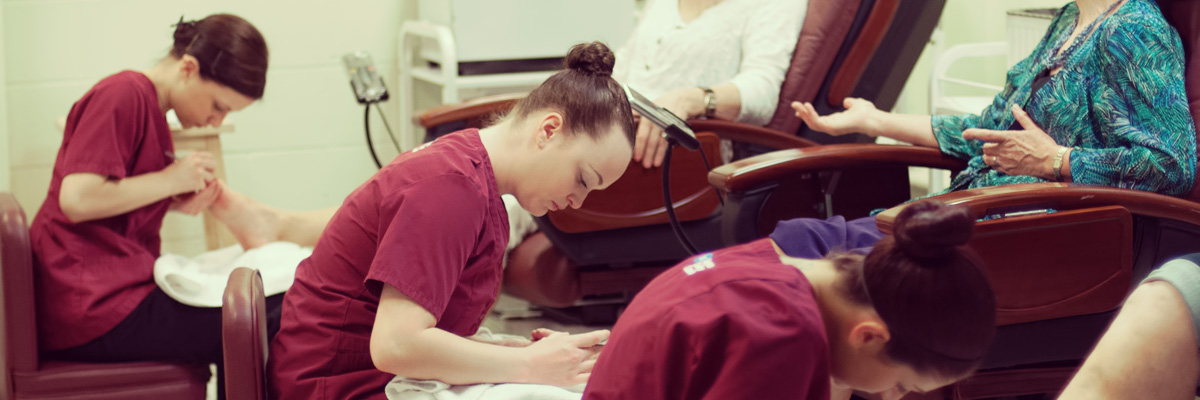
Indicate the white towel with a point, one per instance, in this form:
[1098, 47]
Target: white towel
[401, 388]
[520, 225]
[411, 389]
[200, 281]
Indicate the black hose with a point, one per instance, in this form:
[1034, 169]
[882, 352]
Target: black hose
[708, 168]
[367, 127]
[670, 206]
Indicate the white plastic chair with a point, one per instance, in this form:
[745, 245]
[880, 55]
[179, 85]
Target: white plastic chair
[940, 103]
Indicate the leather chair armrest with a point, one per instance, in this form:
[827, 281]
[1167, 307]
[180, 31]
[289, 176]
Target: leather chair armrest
[475, 108]
[745, 133]
[483, 106]
[765, 168]
[1058, 196]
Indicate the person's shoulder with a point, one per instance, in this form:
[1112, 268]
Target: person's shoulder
[445, 168]
[771, 307]
[460, 153]
[1136, 21]
[124, 87]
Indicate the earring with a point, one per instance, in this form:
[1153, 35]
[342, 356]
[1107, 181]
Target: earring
[541, 141]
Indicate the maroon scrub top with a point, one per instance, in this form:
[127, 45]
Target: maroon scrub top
[732, 324]
[91, 275]
[431, 224]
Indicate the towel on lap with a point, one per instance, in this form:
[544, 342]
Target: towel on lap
[200, 281]
[401, 388]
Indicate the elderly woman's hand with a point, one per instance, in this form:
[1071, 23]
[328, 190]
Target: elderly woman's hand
[855, 119]
[1027, 152]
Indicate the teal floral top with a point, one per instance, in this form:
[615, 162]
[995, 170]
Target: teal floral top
[1119, 102]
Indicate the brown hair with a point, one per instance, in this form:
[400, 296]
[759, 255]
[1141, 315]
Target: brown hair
[585, 93]
[930, 290]
[229, 50]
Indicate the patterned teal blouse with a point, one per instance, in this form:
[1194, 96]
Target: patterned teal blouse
[1119, 102]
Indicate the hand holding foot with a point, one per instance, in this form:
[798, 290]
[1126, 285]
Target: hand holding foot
[194, 203]
[252, 223]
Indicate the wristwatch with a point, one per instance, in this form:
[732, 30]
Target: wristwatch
[710, 102]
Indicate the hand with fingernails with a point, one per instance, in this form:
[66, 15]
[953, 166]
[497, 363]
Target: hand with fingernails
[192, 173]
[853, 120]
[195, 203]
[563, 359]
[1026, 152]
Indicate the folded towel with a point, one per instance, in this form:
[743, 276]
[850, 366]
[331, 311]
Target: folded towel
[401, 388]
[200, 281]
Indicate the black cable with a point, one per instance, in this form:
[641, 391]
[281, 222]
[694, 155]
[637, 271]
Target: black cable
[670, 206]
[709, 169]
[367, 127]
[389, 128]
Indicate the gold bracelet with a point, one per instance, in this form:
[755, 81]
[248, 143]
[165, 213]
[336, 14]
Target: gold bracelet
[1058, 157]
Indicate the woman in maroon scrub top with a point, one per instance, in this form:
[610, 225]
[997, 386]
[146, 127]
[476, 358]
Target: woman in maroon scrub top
[96, 237]
[410, 264]
[749, 322]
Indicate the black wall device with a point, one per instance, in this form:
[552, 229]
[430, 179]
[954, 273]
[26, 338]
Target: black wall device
[364, 79]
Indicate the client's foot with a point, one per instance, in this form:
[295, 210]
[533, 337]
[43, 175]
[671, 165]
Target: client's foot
[252, 223]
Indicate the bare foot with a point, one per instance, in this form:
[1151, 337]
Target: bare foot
[252, 223]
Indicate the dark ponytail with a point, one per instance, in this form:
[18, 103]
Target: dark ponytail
[590, 100]
[930, 291]
[228, 49]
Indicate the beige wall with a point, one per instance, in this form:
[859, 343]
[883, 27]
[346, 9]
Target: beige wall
[5, 176]
[301, 147]
[966, 21]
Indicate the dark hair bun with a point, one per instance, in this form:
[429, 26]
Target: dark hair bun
[185, 32]
[591, 58]
[931, 229]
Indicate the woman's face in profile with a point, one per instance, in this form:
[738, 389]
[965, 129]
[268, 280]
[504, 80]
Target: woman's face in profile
[203, 102]
[567, 167]
[891, 380]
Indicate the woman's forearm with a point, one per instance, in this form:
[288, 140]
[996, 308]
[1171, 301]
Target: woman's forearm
[915, 129]
[436, 354]
[726, 98]
[86, 197]
[728, 101]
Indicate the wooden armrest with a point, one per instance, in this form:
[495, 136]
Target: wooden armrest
[745, 133]
[755, 171]
[1058, 196]
[474, 108]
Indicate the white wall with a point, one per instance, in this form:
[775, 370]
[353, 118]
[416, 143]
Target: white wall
[301, 147]
[966, 21]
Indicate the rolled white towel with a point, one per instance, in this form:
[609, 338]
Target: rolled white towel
[200, 281]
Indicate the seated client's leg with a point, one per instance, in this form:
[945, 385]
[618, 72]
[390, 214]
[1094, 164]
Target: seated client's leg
[255, 224]
[1150, 351]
